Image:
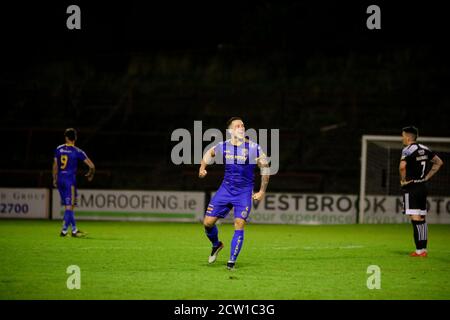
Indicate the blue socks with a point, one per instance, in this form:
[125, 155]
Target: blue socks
[66, 222]
[69, 219]
[213, 235]
[236, 244]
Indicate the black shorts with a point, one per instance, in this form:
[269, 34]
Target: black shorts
[415, 199]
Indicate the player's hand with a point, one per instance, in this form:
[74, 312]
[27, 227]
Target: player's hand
[258, 196]
[55, 183]
[202, 173]
[404, 183]
[89, 176]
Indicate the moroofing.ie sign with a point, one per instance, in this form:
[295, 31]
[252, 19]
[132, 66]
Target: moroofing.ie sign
[134, 205]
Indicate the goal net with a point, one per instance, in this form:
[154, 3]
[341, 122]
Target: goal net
[380, 180]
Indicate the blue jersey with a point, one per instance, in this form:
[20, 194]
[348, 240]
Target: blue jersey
[237, 186]
[67, 157]
[240, 162]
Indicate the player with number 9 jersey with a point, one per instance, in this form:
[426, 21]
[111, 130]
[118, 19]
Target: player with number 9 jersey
[65, 166]
[67, 157]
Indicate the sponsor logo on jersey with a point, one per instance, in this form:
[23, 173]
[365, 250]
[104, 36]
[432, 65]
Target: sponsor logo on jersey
[230, 156]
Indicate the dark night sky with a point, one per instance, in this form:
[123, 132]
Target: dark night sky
[39, 27]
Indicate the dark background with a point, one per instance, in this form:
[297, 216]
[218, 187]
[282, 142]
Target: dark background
[136, 71]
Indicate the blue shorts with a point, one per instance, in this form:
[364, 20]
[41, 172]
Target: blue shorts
[68, 192]
[223, 201]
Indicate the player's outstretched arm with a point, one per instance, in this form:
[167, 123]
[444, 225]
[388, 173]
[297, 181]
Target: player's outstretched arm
[91, 172]
[263, 164]
[209, 155]
[437, 164]
[55, 172]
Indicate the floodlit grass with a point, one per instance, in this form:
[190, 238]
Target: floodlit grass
[138, 260]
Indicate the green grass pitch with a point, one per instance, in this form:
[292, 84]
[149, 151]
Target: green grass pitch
[162, 261]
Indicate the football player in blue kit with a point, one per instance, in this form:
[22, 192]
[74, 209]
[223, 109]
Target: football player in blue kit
[240, 157]
[65, 165]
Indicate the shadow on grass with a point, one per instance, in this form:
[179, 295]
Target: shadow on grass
[401, 252]
[239, 266]
[436, 257]
[88, 237]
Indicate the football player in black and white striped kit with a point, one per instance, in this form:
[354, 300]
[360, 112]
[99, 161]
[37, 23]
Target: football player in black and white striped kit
[417, 165]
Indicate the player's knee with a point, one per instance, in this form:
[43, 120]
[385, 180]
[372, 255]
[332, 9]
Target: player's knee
[207, 223]
[239, 224]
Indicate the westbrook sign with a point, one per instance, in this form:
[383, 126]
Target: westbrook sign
[292, 208]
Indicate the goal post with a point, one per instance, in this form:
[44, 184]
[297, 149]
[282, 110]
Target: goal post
[380, 158]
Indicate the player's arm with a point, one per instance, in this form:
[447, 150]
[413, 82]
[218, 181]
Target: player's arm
[437, 164]
[55, 172]
[402, 170]
[206, 160]
[263, 164]
[91, 172]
